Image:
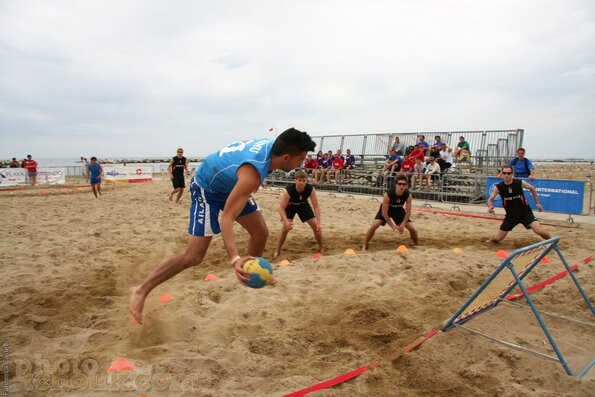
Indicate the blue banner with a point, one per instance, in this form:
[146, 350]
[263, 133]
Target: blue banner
[555, 196]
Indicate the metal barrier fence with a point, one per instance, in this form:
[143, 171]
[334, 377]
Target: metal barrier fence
[452, 188]
[485, 144]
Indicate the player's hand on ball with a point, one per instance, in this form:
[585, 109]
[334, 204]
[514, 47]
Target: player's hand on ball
[241, 274]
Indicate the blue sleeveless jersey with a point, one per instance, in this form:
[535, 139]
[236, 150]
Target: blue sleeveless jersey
[217, 173]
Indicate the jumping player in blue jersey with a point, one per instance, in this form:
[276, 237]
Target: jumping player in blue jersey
[224, 182]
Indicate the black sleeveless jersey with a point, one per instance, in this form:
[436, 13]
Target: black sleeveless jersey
[178, 166]
[513, 198]
[397, 203]
[296, 197]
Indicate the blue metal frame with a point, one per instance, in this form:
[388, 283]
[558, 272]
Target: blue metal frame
[518, 281]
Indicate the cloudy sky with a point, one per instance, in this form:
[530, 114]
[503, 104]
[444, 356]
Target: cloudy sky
[142, 77]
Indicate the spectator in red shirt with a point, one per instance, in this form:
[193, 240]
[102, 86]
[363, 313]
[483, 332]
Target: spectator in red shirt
[31, 166]
[407, 167]
[338, 165]
[311, 167]
[418, 153]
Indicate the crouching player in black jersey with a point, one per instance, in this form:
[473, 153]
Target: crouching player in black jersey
[516, 206]
[295, 201]
[395, 210]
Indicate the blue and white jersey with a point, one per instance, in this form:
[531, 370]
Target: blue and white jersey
[217, 173]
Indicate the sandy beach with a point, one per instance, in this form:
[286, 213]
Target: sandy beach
[68, 260]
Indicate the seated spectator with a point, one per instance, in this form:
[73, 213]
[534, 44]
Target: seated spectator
[445, 160]
[325, 167]
[311, 167]
[349, 163]
[522, 166]
[392, 163]
[418, 152]
[432, 172]
[436, 147]
[418, 173]
[397, 146]
[463, 151]
[319, 156]
[423, 143]
[407, 167]
[338, 164]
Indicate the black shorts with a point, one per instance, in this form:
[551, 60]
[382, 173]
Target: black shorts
[510, 221]
[396, 216]
[304, 211]
[178, 182]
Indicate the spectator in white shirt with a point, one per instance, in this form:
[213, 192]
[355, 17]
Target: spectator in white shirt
[432, 172]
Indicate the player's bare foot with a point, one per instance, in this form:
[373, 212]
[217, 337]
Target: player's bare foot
[136, 302]
[276, 254]
[365, 247]
[321, 250]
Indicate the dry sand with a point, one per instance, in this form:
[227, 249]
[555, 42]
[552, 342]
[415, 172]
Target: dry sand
[67, 261]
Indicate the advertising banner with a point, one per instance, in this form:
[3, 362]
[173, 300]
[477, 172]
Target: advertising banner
[554, 195]
[20, 176]
[123, 173]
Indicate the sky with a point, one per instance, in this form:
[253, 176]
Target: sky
[144, 77]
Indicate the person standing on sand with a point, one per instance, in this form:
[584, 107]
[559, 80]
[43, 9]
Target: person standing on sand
[394, 210]
[294, 201]
[31, 166]
[177, 168]
[516, 206]
[224, 182]
[94, 174]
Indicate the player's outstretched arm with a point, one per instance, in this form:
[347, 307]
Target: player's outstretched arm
[248, 182]
[316, 207]
[493, 195]
[533, 191]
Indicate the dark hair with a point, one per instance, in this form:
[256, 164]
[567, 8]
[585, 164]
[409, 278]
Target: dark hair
[292, 141]
[507, 166]
[401, 177]
[93, 158]
[521, 148]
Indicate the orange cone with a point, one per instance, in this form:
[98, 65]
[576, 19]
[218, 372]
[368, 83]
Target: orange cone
[502, 254]
[210, 277]
[458, 251]
[402, 249]
[317, 255]
[121, 364]
[349, 251]
[284, 262]
[165, 298]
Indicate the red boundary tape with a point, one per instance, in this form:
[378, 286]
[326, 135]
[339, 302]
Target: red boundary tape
[542, 284]
[480, 216]
[418, 342]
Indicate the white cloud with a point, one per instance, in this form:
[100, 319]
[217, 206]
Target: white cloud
[150, 75]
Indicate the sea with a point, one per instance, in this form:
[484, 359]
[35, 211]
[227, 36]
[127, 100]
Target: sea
[73, 164]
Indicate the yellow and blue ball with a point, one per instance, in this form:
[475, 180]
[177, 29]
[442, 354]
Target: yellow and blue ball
[262, 272]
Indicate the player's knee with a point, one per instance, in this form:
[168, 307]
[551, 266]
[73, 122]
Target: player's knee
[263, 233]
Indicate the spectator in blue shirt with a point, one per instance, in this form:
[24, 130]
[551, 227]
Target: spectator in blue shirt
[522, 166]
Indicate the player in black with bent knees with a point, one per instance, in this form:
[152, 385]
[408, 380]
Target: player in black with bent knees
[516, 206]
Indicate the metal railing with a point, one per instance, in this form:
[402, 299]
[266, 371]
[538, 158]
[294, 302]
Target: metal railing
[499, 143]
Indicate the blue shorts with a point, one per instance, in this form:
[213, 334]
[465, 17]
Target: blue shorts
[204, 211]
[95, 180]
